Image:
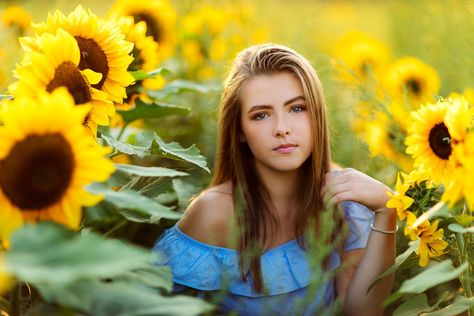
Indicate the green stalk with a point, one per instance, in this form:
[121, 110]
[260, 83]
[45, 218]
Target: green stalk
[122, 130]
[465, 278]
[15, 309]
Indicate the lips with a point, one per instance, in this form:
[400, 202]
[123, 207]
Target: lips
[285, 148]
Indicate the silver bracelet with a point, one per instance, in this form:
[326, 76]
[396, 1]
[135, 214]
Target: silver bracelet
[384, 231]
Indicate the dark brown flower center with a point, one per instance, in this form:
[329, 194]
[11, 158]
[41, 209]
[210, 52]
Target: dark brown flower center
[69, 76]
[152, 27]
[37, 171]
[413, 86]
[440, 141]
[93, 57]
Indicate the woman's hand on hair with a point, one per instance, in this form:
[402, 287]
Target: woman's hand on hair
[352, 185]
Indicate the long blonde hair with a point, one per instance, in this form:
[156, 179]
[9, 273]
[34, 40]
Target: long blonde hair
[235, 161]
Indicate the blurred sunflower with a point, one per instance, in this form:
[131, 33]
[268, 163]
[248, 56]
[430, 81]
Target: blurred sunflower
[102, 47]
[361, 55]
[46, 159]
[145, 49]
[145, 52]
[431, 239]
[159, 16]
[45, 67]
[434, 131]
[384, 137]
[412, 80]
[468, 94]
[16, 17]
[460, 184]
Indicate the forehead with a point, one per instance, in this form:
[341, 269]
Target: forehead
[270, 89]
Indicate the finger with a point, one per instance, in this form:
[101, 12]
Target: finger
[335, 190]
[339, 197]
[332, 181]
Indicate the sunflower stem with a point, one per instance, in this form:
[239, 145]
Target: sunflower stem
[15, 309]
[465, 277]
[122, 130]
[115, 228]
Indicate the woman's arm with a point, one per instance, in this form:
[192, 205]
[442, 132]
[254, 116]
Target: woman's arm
[364, 264]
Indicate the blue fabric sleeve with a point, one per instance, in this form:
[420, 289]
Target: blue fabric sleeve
[358, 218]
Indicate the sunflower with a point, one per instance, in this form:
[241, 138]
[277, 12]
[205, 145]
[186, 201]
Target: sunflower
[45, 67]
[429, 141]
[145, 52]
[433, 132]
[102, 47]
[17, 17]
[46, 159]
[145, 49]
[385, 138]
[399, 200]
[468, 94]
[460, 184]
[412, 80]
[360, 55]
[431, 239]
[159, 16]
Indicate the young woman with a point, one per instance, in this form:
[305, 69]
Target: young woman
[247, 233]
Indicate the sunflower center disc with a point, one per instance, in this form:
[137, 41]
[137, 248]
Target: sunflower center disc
[440, 141]
[414, 86]
[152, 28]
[93, 57]
[69, 76]
[37, 171]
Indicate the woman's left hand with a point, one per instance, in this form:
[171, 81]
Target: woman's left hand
[350, 184]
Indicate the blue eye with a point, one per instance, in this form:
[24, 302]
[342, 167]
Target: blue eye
[297, 108]
[260, 116]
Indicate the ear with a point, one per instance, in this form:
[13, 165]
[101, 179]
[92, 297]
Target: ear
[242, 138]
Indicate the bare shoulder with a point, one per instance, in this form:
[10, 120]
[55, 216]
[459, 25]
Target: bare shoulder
[209, 217]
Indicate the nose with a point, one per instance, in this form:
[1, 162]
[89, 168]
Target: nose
[281, 128]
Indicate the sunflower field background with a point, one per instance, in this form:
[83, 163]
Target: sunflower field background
[108, 123]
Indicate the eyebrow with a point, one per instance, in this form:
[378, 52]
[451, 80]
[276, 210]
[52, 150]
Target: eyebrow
[265, 106]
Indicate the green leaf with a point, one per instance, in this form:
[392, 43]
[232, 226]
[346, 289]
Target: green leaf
[398, 262]
[464, 219]
[134, 206]
[179, 86]
[156, 109]
[149, 171]
[120, 299]
[184, 191]
[431, 276]
[126, 148]
[156, 187]
[418, 304]
[153, 276]
[141, 75]
[49, 254]
[456, 228]
[414, 306]
[174, 150]
[152, 144]
[459, 306]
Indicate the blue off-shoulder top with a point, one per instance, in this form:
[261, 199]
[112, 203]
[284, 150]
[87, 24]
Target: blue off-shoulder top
[285, 269]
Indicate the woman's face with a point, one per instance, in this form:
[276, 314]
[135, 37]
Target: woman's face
[276, 122]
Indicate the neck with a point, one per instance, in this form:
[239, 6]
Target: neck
[283, 189]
